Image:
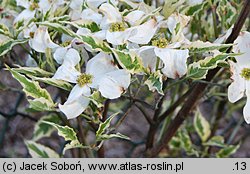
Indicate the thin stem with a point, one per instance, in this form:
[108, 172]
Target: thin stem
[105, 110]
[27, 116]
[172, 108]
[153, 127]
[139, 101]
[129, 107]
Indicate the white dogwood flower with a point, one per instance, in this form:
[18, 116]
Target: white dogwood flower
[29, 10]
[100, 74]
[241, 73]
[40, 41]
[142, 34]
[118, 32]
[115, 30]
[174, 60]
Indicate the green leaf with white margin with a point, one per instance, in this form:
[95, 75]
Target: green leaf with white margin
[226, 13]
[217, 141]
[186, 142]
[227, 151]
[212, 62]
[199, 70]
[31, 88]
[49, 59]
[201, 47]
[202, 126]
[65, 131]
[170, 6]
[58, 27]
[93, 27]
[54, 82]
[129, 61]
[4, 30]
[42, 100]
[69, 135]
[42, 129]
[94, 43]
[5, 47]
[104, 137]
[60, 18]
[195, 72]
[40, 151]
[105, 125]
[195, 9]
[154, 82]
[34, 71]
[41, 104]
[75, 144]
[185, 139]
[175, 143]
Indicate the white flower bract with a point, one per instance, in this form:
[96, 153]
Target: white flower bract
[102, 74]
[241, 73]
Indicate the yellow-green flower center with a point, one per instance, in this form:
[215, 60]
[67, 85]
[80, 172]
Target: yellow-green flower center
[119, 26]
[84, 79]
[161, 42]
[33, 6]
[245, 73]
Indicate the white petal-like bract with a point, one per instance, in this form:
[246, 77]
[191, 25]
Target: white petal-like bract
[142, 34]
[246, 109]
[114, 83]
[67, 73]
[41, 40]
[118, 37]
[77, 102]
[242, 45]
[98, 66]
[89, 15]
[175, 61]
[237, 88]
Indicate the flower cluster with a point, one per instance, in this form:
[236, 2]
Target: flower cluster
[138, 37]
[100, 46]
